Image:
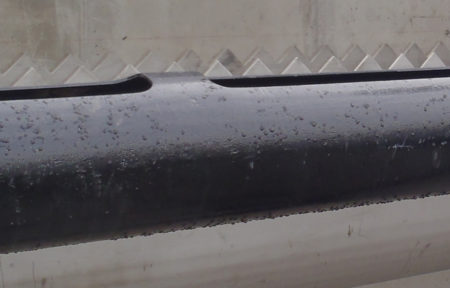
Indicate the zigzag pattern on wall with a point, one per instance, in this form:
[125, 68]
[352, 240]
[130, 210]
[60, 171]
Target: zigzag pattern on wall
[25, 72]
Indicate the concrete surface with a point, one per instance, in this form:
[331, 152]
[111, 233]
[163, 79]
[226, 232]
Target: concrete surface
[48, 30]
[103, 39]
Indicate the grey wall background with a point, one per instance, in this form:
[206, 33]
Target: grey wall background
[80, 40]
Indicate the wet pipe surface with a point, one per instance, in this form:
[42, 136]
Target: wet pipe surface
[179, 151]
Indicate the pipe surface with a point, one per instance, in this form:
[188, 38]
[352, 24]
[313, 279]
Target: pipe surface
[186, 151]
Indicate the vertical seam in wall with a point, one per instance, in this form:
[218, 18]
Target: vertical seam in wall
[82, 29]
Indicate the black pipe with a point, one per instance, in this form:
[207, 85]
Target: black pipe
[182, 151]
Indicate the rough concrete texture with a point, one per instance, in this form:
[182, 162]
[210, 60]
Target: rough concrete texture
[110, 38]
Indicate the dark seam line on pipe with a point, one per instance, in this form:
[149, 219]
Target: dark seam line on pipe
[291, 80]
[134, 84]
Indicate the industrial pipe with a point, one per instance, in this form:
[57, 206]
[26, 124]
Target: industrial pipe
[159, 152]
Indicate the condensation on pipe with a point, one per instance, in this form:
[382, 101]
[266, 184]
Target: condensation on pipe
[93, 162]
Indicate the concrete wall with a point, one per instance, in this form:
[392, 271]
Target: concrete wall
[126, 31]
